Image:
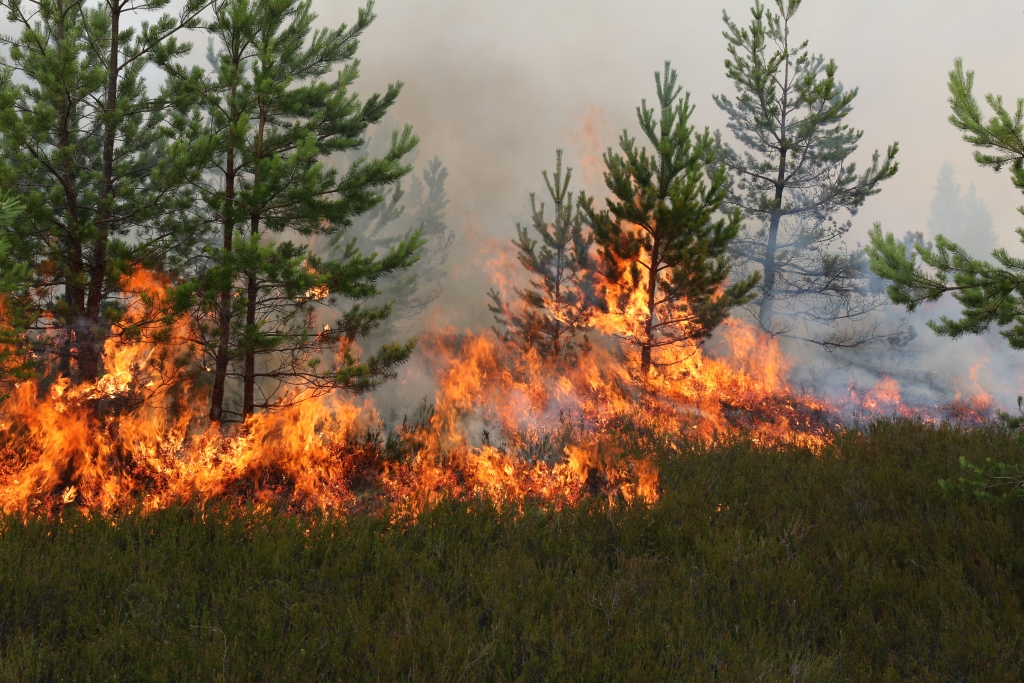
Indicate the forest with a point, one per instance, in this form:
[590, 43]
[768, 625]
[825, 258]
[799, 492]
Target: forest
[237, 444]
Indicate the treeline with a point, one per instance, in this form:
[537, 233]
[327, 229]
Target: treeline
[240, 218]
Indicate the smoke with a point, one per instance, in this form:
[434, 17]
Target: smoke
[494, 88]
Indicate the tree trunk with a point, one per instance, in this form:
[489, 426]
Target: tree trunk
[652, 294]
[557, 341]
[249, 372]
[74, 292]
[89, 346]
[768, 300]
[220, 370]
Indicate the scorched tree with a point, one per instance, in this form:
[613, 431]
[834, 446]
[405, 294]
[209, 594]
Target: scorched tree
[662, 239]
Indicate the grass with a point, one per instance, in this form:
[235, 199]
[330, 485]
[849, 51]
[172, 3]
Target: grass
[754, 566]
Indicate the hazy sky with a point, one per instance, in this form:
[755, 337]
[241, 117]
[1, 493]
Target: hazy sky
[494, 87]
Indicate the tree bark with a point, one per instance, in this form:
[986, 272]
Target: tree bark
[89, 347]
[220, 370]
[249, 372]
[652, 294]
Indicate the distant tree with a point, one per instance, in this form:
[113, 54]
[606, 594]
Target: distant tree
[16, 359]
[556, 307]
[959, 216]
[404, 209]
[263, 300]
[659, 237]
[988, 293]
[794, 181]
[104, 170]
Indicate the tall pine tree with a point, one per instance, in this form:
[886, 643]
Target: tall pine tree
[265, 298]
[555, 310]
[661, 235]
[794, 178]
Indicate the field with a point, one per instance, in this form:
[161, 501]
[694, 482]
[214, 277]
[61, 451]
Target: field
[754, 565]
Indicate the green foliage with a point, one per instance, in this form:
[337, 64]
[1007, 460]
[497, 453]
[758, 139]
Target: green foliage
[754, 565]
[104, 170]
[557, 306]
[994, 481]
[794, 178]
[659, 233]
[16, 359]
[990, 293]
[419, 205]
[265, 299]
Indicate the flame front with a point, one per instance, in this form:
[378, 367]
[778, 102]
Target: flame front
[508, 426]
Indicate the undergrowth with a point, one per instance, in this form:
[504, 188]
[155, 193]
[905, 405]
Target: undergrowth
[754, 565]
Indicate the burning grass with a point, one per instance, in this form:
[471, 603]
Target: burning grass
[753, 564]
[508, 426]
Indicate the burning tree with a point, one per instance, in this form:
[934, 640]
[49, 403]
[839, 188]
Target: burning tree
[794, 179]
[663, 253]
[263, 300]
[556, 308]
[103, 169]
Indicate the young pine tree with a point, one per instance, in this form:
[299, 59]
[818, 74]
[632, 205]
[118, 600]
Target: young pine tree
[794, 179]
[989, 292]
[104, 171]
[555, 310]
[659, 237]
[264, 297]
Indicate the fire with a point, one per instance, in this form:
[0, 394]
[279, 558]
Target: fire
[506, 425]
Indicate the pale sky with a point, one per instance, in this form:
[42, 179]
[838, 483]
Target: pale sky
[494, 87]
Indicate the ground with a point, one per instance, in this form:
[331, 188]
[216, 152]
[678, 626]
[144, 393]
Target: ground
[754, 565]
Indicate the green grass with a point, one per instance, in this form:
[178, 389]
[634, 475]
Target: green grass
[853, 566]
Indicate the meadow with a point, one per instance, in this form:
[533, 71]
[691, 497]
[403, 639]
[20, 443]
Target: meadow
[754, 565]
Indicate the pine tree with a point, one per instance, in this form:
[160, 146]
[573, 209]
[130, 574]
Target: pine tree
[16, 361]
[555, 310]
[659, 234]
[794, 178]
[402, 211]
[277, 121]
[990, 293]
[959, 216]
[103, 169]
